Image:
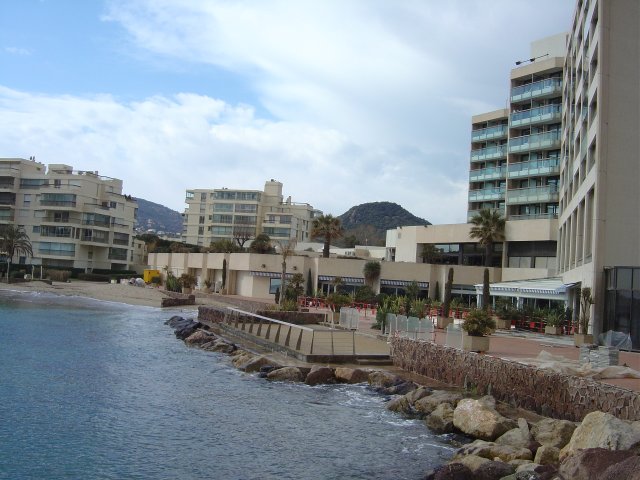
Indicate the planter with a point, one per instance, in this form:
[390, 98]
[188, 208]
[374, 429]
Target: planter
[186, 290]
[582, 339]
[503, 324]
[551, 330]
[443, 322]
[475, 344]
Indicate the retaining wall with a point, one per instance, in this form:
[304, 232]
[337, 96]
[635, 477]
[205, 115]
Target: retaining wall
[549, 393]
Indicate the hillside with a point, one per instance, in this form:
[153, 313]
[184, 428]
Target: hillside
[157, 217]
[368, 223]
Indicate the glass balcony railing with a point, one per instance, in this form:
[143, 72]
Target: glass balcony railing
[547, 193]
[536, 141]
[486, 194]
[488, 153]
[489, 133]
[535, 167]
[546, 113]
[490, 173]
[548, 86]
[533, 216]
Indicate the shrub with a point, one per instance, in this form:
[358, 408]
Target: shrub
[338, 300]
[478, 323]
[57, 275]
[173, 284]
[157, 280]
[94, 277]
[289, 305]
[365, 294]
[187, 280]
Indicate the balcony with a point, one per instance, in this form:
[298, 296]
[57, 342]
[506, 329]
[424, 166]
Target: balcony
[542, 88]
[537, 141]
[533, 216]
[93, 238]
[6, 215]
[547, 193]
[534, 168]
[57, 203]
[489, 133]
[490, 173]
[473, 213]
[489, 153]
[547, 113]
[486, 194]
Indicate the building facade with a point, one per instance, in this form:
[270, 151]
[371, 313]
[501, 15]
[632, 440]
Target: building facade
[74, 219]
[241, 215]
[599, 224]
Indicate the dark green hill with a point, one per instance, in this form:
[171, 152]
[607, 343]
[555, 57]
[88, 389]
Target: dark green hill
[368, 223]
[157, 217]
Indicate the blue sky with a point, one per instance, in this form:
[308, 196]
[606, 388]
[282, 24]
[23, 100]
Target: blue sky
[343, 102]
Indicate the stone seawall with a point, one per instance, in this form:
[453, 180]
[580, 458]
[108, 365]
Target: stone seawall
[548, 393]
[211, 314]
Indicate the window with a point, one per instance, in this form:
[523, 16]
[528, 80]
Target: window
[274, 284]
[217, 218]
[223, 207]
[27, 199]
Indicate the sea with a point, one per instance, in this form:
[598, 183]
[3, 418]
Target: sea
[101, 390]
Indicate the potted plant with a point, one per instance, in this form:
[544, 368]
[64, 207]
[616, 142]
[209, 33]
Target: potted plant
[503, 313]
[477, 325]
[554, 321]
[207, 285]
[582, 337]
[187, 281]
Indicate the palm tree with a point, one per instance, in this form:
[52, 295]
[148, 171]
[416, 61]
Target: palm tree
[371, 272]
[14, 241]
[327, 227]
[488, 227]
[286, 250]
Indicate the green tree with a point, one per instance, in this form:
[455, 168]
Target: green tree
[225, 245]
[309, 291]
[446, 304]
[295, 288]
[371, 272]
[262, 244]
[327, 227]
[286, 250]
[488, 228]
[14, 241]
[430, 253]
[486, 293]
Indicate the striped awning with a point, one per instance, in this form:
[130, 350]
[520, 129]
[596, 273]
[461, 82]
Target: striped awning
[547, 288]
[346, 280]
[256, 273]
[402, 283]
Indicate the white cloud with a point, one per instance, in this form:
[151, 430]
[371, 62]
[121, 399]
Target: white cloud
[17, 50]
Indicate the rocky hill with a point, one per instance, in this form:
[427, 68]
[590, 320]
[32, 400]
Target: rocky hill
[369, 222]
[157, 217]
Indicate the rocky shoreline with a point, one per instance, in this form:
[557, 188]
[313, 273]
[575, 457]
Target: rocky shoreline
[601, 446]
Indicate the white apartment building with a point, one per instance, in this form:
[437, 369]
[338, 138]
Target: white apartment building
[599, 233]
[241, 215]
[74, 219]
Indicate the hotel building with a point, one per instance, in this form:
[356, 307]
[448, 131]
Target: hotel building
[240, 215]
[74, 219]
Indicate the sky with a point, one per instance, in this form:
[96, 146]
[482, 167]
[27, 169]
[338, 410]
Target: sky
[343, 101]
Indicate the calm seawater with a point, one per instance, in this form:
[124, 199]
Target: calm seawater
[97, 390]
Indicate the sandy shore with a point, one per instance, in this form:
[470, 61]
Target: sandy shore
[128, 294]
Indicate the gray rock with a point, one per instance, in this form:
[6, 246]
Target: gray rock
[603, 430]
[628, 469]
[223, 346]
[441, 419]
[553, 433]
[480, 419]
[418, 393]
[547, 455]
[240, 358]
[256, 364]
[515, 437]
[351, 375]
[429, 403]
[320, 375]
[493, 470]
[199, 337]
[450, 471]
[592, 463]
[383, 379]
[491, 451]
[286, 374]
[400, 404]
[472, 462]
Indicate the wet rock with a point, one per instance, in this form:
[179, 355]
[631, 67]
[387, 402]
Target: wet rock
[286, 374]
[491, 451]
[547, 455]
[591, 463]
[418, 393]
[401, 388]
[241, 358]
[258, 364]
[451, 471]
[441, 419]
[383, 379]
[480, 419]
[553, 433]
[199, 337]
[628, 469]
[493, 470]
[320, 375]
[603, 430]
[400, 404]
[429, 403]
[351, 375]
[223, 346]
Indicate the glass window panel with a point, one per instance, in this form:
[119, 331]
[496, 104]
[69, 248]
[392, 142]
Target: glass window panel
[623, 279]
[636, 278]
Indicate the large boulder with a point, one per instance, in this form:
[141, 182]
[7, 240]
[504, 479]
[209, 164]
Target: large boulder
[199, 337]
[628, 469]
[401, 388]
[441, 419]
[256, 364]
[223, 346]
[383, 379]
[429, 403]
[553, 433]
[450, 471]
[472, 462]
[351, 375]
[320, 375]
[480, 419]
[592, 463]
[286, 374]
[241, 358]
[603, 430]
[492, 451]
[400, 404]
[516, 437]
[492, 470]
[546, 455]
[417, 394]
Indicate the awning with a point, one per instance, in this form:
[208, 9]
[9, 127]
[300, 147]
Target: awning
[346, 280]
[402, 283]
[270, 274]
[546, 288]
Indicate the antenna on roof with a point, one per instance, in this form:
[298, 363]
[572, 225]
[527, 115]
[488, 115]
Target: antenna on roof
[531, 60]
